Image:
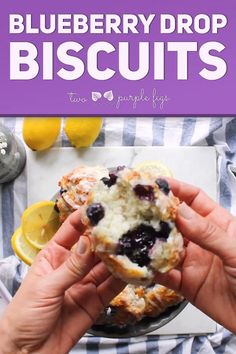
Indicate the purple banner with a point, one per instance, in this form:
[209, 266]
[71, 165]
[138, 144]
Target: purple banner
[130, 57]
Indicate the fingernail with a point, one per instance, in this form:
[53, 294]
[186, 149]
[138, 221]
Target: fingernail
[185, 211]
[81, 245]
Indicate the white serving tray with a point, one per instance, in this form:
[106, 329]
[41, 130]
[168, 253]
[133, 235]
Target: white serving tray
[196, 165]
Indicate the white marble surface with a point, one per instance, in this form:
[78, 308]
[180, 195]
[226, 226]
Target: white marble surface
[196, 165]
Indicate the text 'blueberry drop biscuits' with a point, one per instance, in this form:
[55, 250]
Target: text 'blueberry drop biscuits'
[131, 215]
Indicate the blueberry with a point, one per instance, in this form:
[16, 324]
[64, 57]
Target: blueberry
[109, 181]
[144, 192]
[135, 244]
[163, 185]
[95, 213]
[56, 207]
[165, 230]
[106, 181]
[62, 190]
[113, 178]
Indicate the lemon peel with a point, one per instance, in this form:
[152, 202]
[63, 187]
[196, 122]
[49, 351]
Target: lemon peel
[155, 167]
[82, 131]
[39, 223]
[41, 133]
[22, 248]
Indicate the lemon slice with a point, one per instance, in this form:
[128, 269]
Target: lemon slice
[22, 248]
[39, 223]
[155, 167]
[82, 131]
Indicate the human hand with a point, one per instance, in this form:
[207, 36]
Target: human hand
[207, 276]
[61, 296]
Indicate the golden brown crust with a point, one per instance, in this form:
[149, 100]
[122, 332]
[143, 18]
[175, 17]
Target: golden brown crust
[172, 259]
[128, 302]
[159, 299]
[125, 270]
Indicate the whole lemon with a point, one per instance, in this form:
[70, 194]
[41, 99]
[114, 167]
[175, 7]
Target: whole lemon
[41, 133]
[82, 131]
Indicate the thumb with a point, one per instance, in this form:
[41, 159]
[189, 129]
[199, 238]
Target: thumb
[205, 233]
[75, 268]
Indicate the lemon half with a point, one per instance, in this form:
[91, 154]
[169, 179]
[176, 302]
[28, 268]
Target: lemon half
[155, 167]
[39, 223]
[22, 248]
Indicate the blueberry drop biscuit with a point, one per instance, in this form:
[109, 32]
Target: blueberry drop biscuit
[131, 215]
